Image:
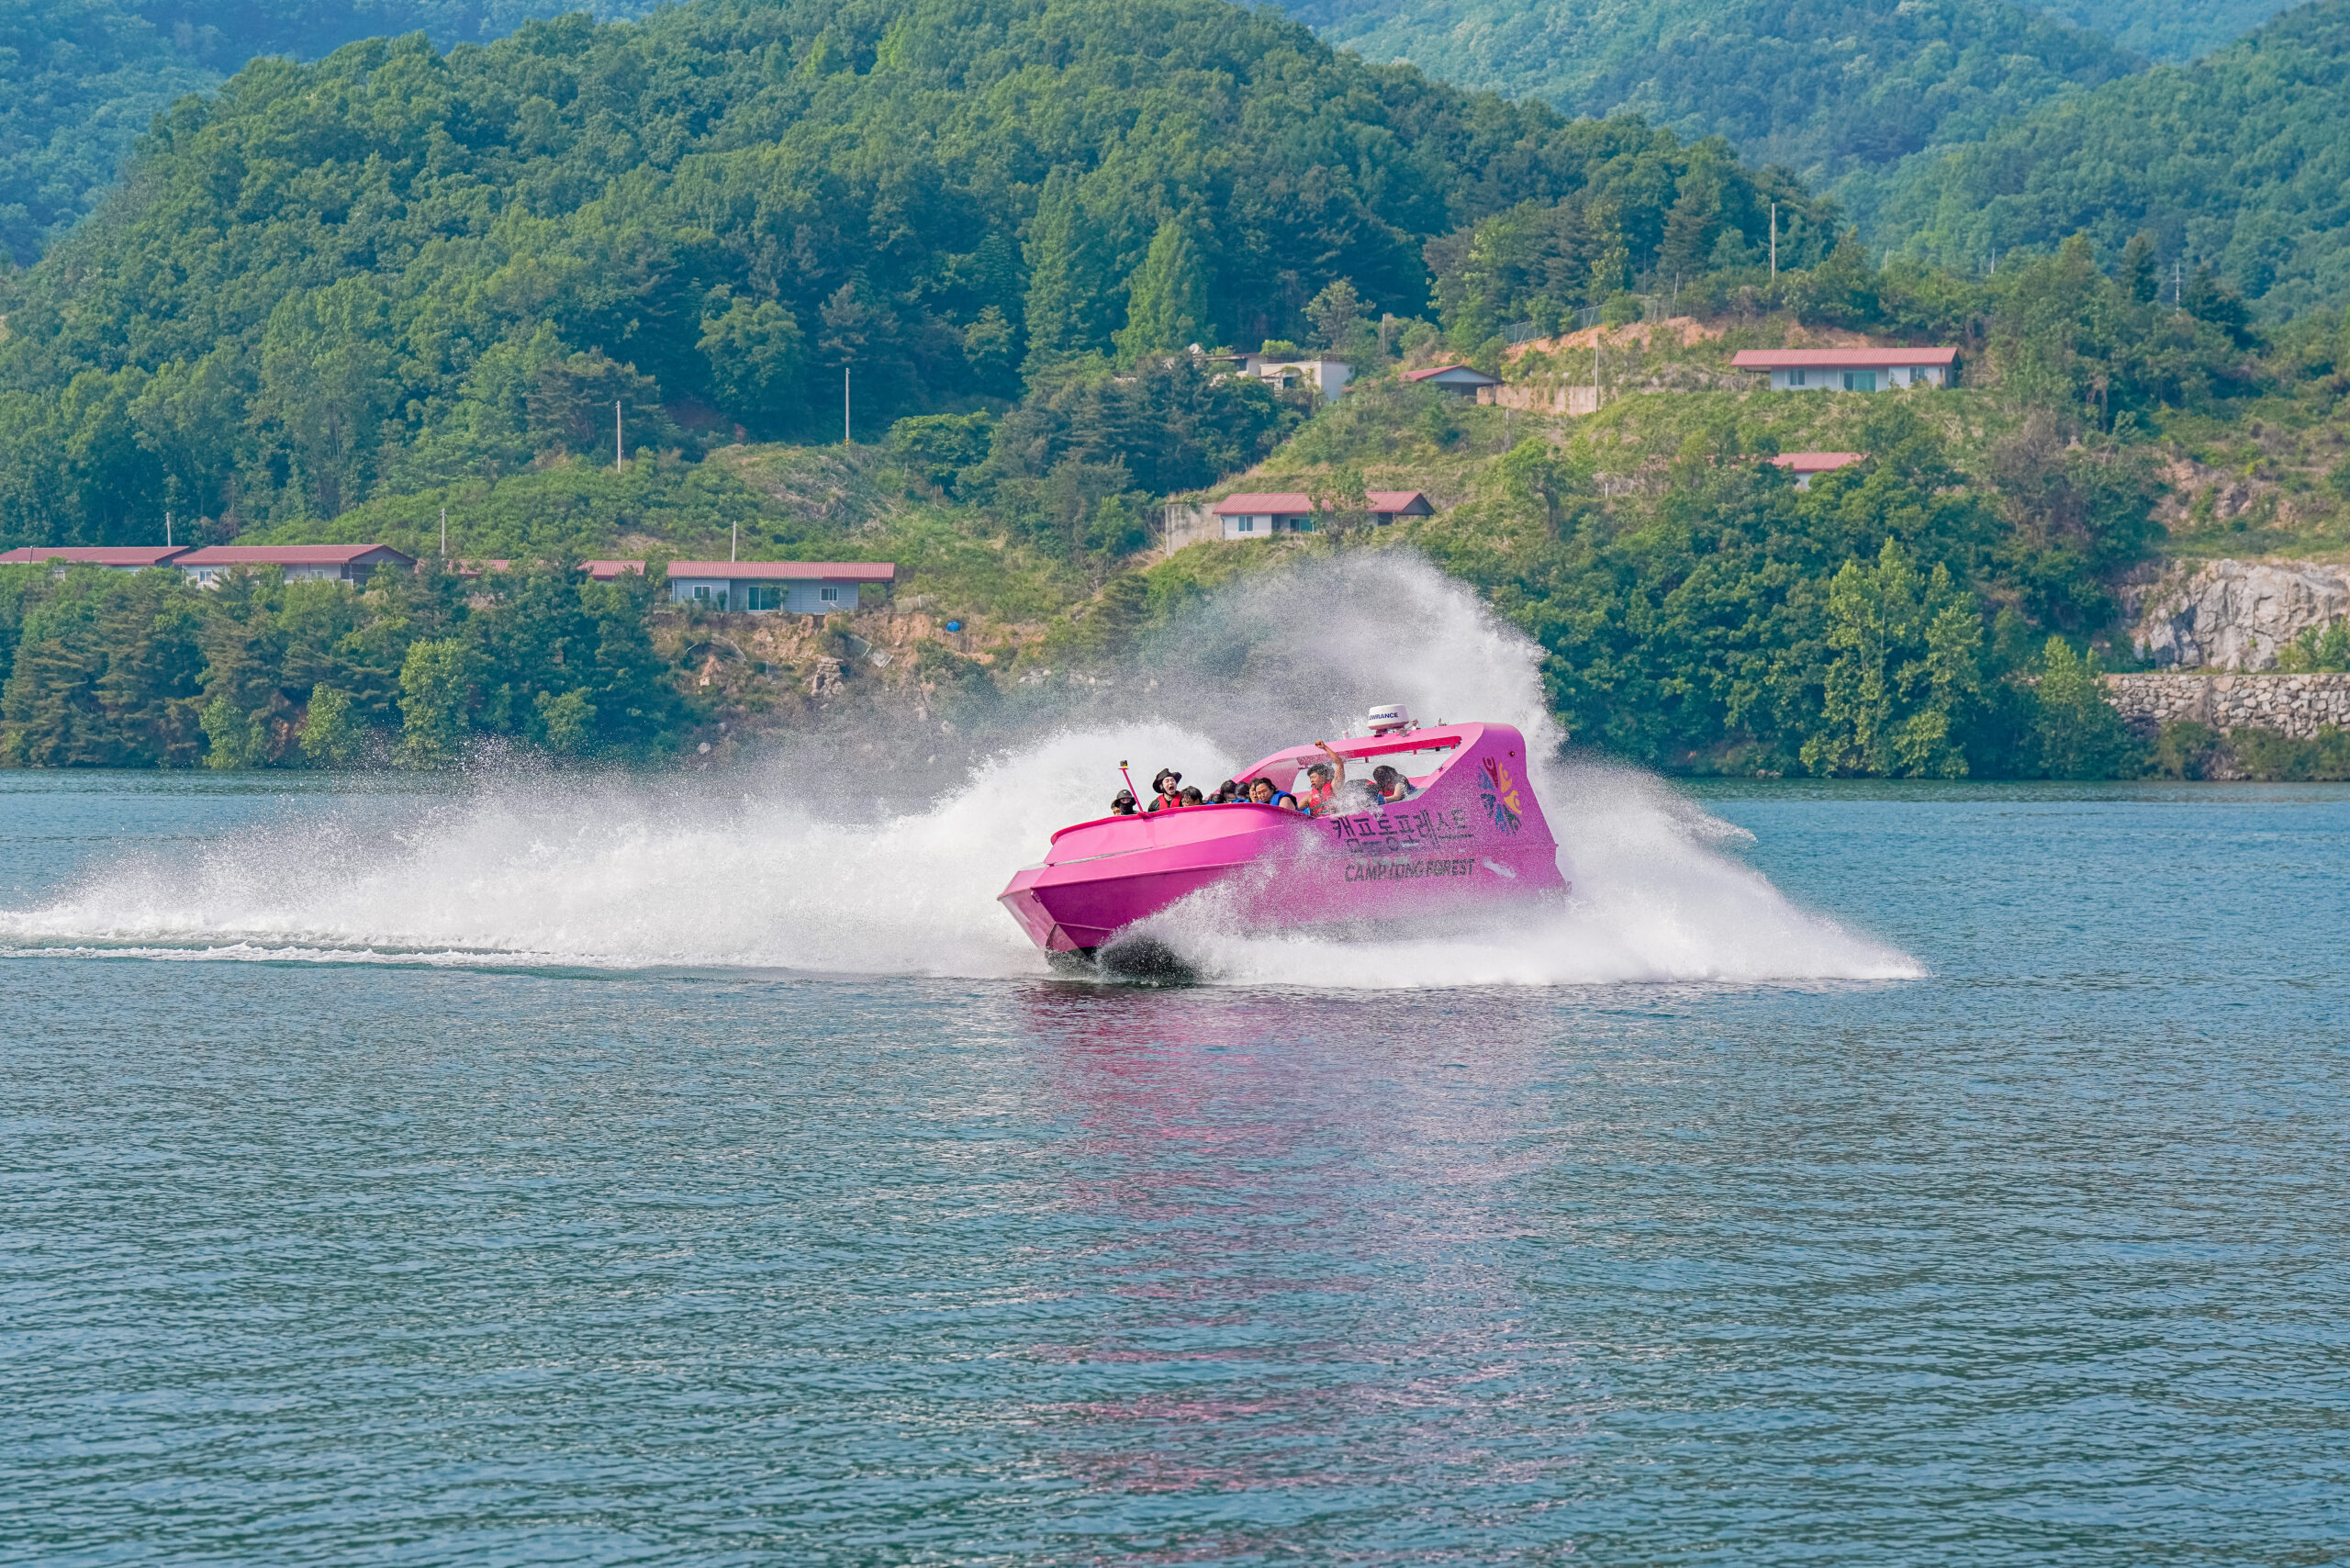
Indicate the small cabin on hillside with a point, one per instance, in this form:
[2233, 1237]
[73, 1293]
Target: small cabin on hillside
[300, 563]
[1807, 465]
[1850, 370]
[118, 558]
[1261, 515]
[1465, 380]
[755, 587]
[1326, 376]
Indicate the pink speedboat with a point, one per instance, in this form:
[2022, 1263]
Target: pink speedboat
[1468, 836]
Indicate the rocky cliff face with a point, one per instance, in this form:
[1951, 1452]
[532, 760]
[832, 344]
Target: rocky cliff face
[2232, 614]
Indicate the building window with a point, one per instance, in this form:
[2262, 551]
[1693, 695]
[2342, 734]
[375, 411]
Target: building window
[829, 595]
[703, 593]
[766, 596]
[1248, 525]
[1794, 378]
[1860, 381]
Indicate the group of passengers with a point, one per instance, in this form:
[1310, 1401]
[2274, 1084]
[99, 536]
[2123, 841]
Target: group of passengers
[1328, 791]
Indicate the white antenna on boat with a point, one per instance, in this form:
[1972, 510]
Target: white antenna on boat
[1388, 717]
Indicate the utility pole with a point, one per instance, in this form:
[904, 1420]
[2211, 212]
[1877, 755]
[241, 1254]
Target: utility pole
[445, 533]
[2177, 283]
[167, 531]
[734, 541]
[1775, 242]
[844, 405]
[616, 435]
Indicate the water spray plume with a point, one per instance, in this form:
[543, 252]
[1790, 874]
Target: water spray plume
[790, 864]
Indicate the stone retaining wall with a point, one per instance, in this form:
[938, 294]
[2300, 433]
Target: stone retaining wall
[2295, 706]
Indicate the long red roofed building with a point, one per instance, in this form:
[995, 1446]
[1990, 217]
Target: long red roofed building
[115, 558]
[1262, 515]
[300, 563]
[1850, 370]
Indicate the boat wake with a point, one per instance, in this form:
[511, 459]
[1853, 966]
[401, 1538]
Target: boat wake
[791, 865]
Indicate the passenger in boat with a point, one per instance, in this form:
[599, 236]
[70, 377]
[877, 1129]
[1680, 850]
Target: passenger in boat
[1322, 790]
[1391, 784]
[1261, 790]
[1192, 796]
[1164, 786]
[1122, 804]
[1225, 793]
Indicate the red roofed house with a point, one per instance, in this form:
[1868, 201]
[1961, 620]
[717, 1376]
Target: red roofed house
[797, 588]
[121, 558]
[1457, 379]
[1848, 370]
[1291, 512]
[1804, 464]
[300, 563]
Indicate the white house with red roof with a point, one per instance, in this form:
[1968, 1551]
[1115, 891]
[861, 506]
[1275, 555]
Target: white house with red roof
[1850, 370]
[1807, 465]
[300, 563]
[115, 557]
[1260, 515]
[755, 588]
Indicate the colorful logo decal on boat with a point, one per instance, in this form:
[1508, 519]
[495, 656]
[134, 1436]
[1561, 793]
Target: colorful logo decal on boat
[1499, 792]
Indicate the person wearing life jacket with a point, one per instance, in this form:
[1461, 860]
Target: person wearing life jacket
[1390, 784]
[1262, 792]
[1167, 786]
[1324, 778]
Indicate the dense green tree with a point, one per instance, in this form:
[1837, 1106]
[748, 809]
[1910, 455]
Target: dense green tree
[103, 672]
[1905, 672]
[2079, 734]
[1167, 298]
[435, 690]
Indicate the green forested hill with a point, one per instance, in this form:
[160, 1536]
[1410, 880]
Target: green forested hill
[80, 79]
[1823, 87]
[395, 268]
[2238, 161]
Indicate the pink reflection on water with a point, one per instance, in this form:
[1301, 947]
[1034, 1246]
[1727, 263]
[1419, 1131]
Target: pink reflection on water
[1306, 1207]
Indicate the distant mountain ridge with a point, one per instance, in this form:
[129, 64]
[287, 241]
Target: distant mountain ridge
[82, 80]
[1824, 87]
[2239, 160]
[2172, 31]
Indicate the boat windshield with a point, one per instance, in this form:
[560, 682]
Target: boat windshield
[1416, 766]
[1420, 765]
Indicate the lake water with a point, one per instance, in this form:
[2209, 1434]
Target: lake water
[377, 1186]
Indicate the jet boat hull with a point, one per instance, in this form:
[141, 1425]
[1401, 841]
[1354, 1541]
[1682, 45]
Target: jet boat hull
[1472, 836]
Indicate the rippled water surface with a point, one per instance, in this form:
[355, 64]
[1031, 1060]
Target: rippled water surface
[323, 1245]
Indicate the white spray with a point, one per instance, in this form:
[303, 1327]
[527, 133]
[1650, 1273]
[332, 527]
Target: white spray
[783, 868]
